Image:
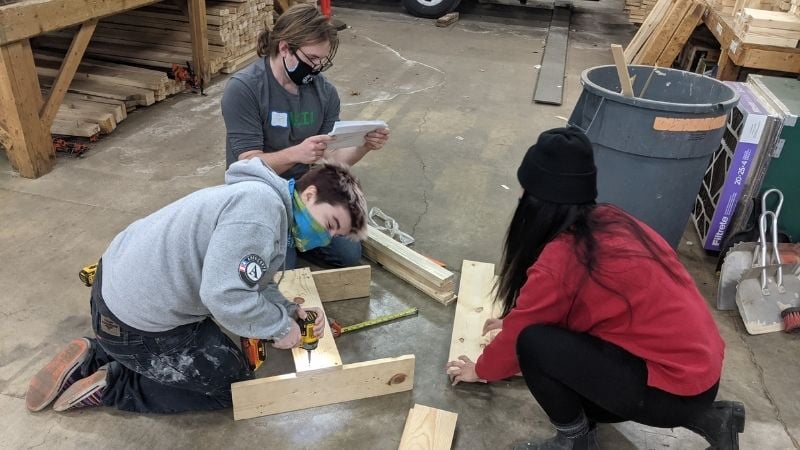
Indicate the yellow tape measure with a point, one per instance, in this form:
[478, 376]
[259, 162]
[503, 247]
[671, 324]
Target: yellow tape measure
[379, 320]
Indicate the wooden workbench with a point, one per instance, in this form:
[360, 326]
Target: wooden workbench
[736, 55]
[26, 115]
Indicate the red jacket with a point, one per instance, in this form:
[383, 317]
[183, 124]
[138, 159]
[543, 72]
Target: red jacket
[669, 324]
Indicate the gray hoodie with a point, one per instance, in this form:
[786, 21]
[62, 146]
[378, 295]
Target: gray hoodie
[212, 253]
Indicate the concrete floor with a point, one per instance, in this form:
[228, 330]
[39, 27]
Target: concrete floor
[458, 101]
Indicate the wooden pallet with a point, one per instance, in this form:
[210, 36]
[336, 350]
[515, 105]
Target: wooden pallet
[663, 35]
[326, 380]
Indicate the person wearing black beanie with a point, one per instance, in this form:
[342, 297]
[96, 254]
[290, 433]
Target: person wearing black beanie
[600, 316]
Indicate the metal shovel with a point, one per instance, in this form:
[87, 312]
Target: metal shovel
[763, 291]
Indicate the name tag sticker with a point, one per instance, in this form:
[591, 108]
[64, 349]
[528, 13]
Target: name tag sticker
[279, 119]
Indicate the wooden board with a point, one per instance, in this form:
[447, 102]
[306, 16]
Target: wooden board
[662, 35]
[475, 305]
[646, 30]
[300, 283]
[74, 127]
[550, 82]
[283, 393]
[410, 266]
[428, 429]
[682, 34]
[143, 97]
[771, 19]
[343, 284]
[30, 18]
[622, 70]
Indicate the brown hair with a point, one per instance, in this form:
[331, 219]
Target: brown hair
[299, 25]
[337, 186]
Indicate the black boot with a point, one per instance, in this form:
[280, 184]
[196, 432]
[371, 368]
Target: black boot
[720, 425]
[579, 435]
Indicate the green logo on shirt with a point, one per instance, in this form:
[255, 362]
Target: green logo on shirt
[301, 119]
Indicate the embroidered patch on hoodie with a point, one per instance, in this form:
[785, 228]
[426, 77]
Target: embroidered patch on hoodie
[251, 268]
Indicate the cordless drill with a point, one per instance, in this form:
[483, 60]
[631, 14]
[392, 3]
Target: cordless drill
[255, 350]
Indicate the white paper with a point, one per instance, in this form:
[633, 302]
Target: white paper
[351, 133]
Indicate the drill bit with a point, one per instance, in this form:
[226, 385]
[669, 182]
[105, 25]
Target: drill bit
[309, 357]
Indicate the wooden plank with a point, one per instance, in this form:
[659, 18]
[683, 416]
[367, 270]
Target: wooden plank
[771, 19]
[104, 120]
[74, 127]
[727, 70]
[283, 393]
[300, 283]
[31, 152]
[142, 97]
[421, 266]
[443, 296]
[622, 70]
[198, 28]
[428, 429]
[776, 41]
[343, 284]
[682, 35]
[474, 307]
[550, 82]
[646, 30]
[67, 71]
[117, 109]
[30, 18]
[661, 37]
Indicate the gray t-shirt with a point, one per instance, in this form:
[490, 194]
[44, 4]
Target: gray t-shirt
[260, 114]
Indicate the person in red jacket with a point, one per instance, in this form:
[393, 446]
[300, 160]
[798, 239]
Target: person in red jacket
[599, 315]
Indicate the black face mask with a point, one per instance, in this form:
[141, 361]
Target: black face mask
[302, 74]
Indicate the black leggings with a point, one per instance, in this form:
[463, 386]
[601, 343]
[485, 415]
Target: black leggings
[570, 372]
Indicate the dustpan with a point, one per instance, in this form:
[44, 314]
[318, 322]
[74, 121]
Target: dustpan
[764, 291]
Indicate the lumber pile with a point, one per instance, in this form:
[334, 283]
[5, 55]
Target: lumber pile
[405, 263]
[101, 93]
[158, 36]
[664, 32]
[638, 10]
[776, 28]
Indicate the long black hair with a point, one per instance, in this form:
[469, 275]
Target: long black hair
[537, 222]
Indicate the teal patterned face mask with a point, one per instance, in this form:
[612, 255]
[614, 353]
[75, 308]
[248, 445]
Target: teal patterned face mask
[308, 234]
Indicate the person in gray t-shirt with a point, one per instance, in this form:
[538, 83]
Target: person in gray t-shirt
[280, 109]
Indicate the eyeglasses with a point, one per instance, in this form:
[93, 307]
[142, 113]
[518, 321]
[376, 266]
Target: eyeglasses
[318, 64]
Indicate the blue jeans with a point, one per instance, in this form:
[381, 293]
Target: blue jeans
[341, 252]
[189, 368]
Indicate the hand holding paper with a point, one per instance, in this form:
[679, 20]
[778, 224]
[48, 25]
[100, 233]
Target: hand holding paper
[353, 133]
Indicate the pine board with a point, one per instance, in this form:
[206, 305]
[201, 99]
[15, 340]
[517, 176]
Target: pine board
[283, 393]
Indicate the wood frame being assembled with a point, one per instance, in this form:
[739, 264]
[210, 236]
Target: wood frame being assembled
[28, 117]
[410, 266]
[326, 380]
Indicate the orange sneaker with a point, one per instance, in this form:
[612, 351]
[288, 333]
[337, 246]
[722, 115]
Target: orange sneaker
[85, 392]
[57, 375]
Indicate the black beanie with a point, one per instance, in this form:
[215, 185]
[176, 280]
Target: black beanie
[560, 168]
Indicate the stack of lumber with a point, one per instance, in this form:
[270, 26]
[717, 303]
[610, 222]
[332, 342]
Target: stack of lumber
[777, 28]
[664, 33]
[724, 7]
[102, 93]
[405, 263]
[638, 9]
[158, 36]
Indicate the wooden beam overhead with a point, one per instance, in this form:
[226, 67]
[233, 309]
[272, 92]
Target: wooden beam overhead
[283, 393]
[28, 18]
[343, 284]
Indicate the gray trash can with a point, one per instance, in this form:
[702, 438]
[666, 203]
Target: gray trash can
[652, 151]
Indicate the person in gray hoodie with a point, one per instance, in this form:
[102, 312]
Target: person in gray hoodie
[168, 282]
